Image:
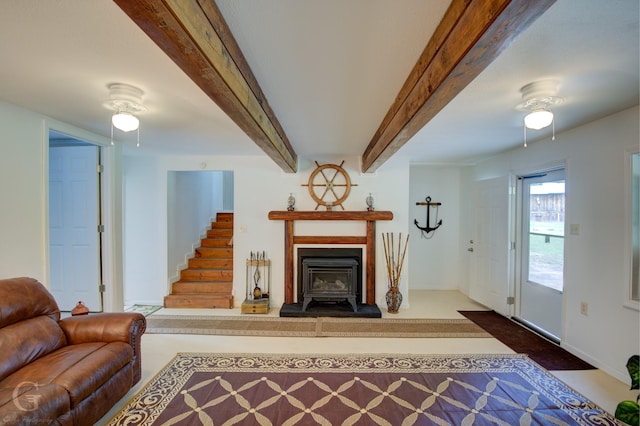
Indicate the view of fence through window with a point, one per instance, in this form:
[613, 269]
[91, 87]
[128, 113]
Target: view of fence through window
[546, 234]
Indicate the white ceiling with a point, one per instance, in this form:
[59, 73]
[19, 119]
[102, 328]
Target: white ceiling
[329, 68]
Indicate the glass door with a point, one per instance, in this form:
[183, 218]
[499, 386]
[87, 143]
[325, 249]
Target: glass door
[541, 233]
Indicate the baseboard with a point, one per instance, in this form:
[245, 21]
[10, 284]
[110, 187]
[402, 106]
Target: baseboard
[619, 373]
[189, 255]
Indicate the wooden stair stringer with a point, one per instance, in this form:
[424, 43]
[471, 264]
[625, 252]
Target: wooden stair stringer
[207, 282]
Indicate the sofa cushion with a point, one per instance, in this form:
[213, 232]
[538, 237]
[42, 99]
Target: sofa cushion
[31, 404]
[24, 298]
[28, 340]
[91, 409]
[80, 369]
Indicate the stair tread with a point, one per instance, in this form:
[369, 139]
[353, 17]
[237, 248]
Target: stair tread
[202, 287]
[214, 274]
[209, 269]
[201, 295]
[216, 248]
[224, 301]
[209, 259]
[185, 279]
[196, 268]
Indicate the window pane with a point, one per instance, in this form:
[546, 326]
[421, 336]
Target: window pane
[546, 234]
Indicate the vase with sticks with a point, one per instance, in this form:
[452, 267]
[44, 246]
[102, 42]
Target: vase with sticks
[394, 260]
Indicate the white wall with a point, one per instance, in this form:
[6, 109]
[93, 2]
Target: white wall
[22, 193]
[259, 187]
[145, 231]
[436, 261]
[595, 273]
[226, 200]
[24, 143]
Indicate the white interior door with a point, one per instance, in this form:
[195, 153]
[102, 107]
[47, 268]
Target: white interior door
[74, 240]
[490, 250]
[541, 279]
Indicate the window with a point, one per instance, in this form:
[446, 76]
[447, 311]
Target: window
[546, 231]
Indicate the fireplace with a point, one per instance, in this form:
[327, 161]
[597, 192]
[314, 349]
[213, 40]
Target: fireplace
[330, 276]
[326, 279]
[366, 283]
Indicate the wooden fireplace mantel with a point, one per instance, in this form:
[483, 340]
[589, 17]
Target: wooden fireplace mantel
[326, 215]
[290, 240]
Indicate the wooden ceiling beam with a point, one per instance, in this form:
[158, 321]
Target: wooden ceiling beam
[195, 36]
[471, 35]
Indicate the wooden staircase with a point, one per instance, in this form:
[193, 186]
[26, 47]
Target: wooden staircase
[208, 280]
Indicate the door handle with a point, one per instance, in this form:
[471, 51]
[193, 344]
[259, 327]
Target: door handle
[470, 249]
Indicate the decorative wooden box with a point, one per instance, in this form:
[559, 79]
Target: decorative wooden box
[260, 306]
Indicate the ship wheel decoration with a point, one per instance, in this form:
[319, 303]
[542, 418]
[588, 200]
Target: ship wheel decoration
[329, 185]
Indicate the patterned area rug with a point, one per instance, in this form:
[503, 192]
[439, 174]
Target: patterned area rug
[254, 389]
[313, 327]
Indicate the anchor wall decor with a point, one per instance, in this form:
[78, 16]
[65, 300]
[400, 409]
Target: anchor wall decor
[428, 228]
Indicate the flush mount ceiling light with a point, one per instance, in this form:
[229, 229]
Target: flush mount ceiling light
[538, 119]
[537, 98]
[126, 102]
[125, 121]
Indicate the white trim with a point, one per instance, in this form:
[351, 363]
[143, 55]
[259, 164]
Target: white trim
[113, 299]
[112, 239]
[189, 255]
[512, 237]
[562, 164]
[45, 204]
[628, 302]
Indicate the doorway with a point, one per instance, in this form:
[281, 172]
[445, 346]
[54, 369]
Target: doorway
[489, 247]
[74, 222]
[541, 252]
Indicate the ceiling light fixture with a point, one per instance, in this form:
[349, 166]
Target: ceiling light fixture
[126, 101]
[125, 121]
[538, 119]
[537, 98]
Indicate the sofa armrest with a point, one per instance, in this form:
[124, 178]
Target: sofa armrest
[106, 327]
[126, 327]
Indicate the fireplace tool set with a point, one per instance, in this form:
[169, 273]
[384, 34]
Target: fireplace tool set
[258, 284]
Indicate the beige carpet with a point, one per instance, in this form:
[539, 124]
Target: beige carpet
[313, 327]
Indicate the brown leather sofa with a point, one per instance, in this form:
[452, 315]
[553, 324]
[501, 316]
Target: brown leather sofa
[62, 372]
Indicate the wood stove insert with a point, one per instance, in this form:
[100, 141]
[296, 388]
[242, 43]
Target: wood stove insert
[329, 279]
[339, 267]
